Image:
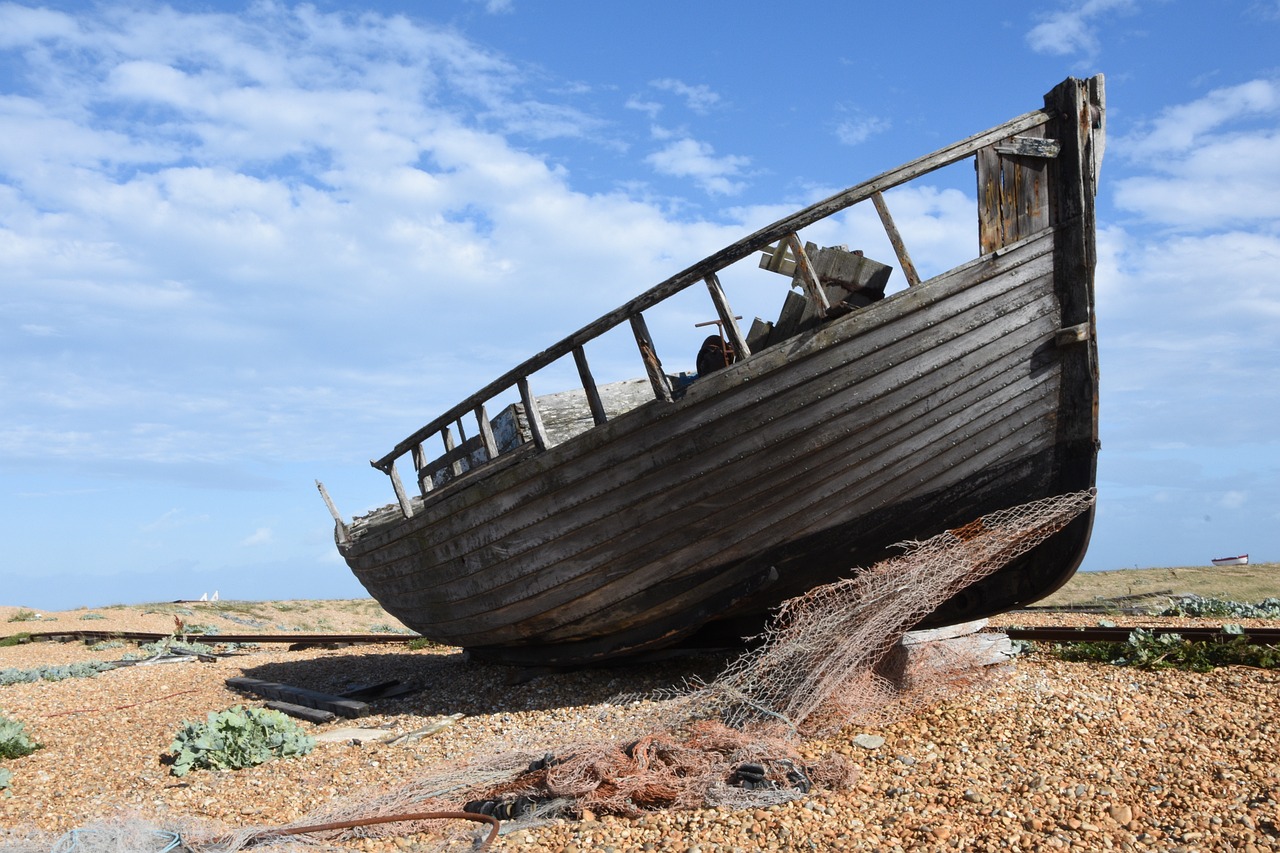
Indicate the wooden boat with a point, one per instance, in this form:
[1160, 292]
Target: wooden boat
[1242, 560]
[854, 423]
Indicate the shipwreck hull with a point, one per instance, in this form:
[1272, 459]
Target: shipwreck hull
[692, 517]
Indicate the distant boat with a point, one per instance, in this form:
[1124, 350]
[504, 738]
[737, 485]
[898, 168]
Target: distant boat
[1242, 560]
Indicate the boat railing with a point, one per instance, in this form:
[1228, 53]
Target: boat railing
[777, 239]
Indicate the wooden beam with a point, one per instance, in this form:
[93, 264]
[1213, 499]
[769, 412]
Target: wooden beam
[1029, 146]
[344, 535]
[589, 386]
[300, 696]
[652, 365]
[486, 432]
[419, 457]
[406, 508]
[727, 319]
[532, 415]
[899, 248]
[808, 277]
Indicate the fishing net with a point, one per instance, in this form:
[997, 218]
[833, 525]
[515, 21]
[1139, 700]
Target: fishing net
[829, 658]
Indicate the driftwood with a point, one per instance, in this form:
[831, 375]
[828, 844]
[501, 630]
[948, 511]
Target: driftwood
[300, 696]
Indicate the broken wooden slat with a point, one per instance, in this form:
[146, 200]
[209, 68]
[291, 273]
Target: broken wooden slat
[807, 277]
[1076, 334]
[300, 696]
[589, 386]
[1029, 146]
[777, 258]
[344, 535]
[727, 320]
[652, 365]
[536, 429]
[899, 248]
[302, 712]
[758, 336]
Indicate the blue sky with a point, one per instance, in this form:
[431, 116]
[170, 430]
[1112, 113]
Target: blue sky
[247, 246]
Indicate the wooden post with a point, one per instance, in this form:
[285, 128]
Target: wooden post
[652, 365]
[804, 269]
[419, 457]
[727, 319]
[406, 508]
[486, 432]
[531, 412]
[589, 386]
[344, 535]
[908, 268]
[447, 435]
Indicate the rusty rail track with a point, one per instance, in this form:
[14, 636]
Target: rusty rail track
[150, 637]
[1119, 634]
[1044, 634]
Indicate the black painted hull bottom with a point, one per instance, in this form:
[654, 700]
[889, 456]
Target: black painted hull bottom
[797, 567]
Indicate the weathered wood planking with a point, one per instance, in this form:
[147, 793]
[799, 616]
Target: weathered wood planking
[964, 394]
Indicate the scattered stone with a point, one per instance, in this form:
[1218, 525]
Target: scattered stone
[869, 741]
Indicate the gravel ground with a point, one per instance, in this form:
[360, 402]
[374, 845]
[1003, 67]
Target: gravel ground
[1052, 755]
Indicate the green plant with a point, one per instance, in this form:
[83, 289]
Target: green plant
[1147, 650]
[25, 616]
[237, 738]
[51, 673]
[14, 741]
[16, 639]
[422, 643]
[92, 616]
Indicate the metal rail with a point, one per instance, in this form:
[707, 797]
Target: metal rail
[1120, 634]
[145, 636]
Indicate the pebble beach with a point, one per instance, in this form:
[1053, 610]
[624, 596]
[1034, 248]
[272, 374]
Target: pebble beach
[1045, 755]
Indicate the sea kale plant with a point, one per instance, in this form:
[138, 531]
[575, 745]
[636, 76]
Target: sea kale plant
[14, 743]
[236, 738]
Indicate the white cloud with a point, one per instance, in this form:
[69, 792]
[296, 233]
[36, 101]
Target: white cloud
[699, 98]
[497, 7]
[1181, 128]
[1234, 499]
[261, 536]
[691, 158]
[858, 129]
[1073, 30]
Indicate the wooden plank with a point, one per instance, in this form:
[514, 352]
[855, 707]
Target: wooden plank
[300, 696]
[419, 459]
[344, 535]
[302, 712]
[1013, 196]
[728, 321]
[589, 386]
[406, 509]
[1029, 146]
[652, 365]
[749, 245]
[758, 336]
[808, 277]
[486, 432]
[531, 413]
[899, 248]
[450, 448]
